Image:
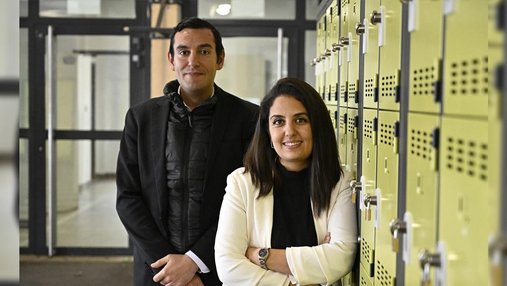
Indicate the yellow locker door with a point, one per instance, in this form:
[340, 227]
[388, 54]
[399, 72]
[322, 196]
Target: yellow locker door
[463, 215]
[368, 184]
[364, 277]
[466, 59]
[370, 51]
[425, 25]
[342, 57]
[331, 41]
[387, 197]
[389, 41]
[352, 133]
[320, 59]
[421, 191]
[353, 53]
[342, 137]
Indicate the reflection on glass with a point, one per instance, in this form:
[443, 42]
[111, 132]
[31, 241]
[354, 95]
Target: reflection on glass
[88, 8]
[251, 66]
[92, 82]
[86, 194]
[311, 9]
[310, 52]
[23, 192]
[236, 9]
[23, 78]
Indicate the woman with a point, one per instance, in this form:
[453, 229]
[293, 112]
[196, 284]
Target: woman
[287, 216]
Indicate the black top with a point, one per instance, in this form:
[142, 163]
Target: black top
[292, 212]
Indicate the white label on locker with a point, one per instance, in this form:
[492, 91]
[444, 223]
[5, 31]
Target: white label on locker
[449, 6]
[349, 48]
[365, 36]
[340, 57]
[412, 15]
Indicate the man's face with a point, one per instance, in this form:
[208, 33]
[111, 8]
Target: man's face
[195, 61]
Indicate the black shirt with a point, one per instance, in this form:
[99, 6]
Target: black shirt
[293, 223]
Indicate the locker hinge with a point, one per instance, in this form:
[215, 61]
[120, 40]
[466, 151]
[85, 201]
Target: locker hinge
[437, 85]
[435, 143]
[336, 93]
[375, 130]
[500, 16]
[398, 94]
[356, 98]
[346, 99]
[396, 143]
[376, 90]
[345, 121]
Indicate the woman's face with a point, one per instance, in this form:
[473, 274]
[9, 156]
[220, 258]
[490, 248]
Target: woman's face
[290, 132]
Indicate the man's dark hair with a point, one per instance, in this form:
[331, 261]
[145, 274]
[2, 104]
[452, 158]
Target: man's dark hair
[197, 23]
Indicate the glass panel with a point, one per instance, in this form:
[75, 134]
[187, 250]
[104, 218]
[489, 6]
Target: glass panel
[23, 192]
[252, 60]
[245, 9]
[88, 8]
[23, 8]
[92, 82]
[311, 9]
[23, 78]
[86, 195]
[310, 52]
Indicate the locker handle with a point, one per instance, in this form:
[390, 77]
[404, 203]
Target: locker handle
[368, 201]
[344, 41]
[356, 187]
[375, 17]
[360, 29]
[426, 261]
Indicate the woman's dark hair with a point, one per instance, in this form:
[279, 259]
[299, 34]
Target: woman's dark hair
[260, 158]
[197, 23]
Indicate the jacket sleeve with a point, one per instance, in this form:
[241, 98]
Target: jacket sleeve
[131, 206]
[326, 263]
[233, 237]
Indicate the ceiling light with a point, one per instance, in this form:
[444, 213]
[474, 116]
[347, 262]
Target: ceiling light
[223, 9]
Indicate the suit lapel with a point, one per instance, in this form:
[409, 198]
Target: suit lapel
[159, 117]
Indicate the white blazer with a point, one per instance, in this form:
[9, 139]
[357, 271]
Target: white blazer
[247, 221]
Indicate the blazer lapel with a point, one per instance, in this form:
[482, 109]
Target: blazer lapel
[159, 117]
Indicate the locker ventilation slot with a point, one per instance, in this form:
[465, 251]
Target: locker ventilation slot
[420, 144]
[352, 91]
[343, 92]
[469, 77]
[388, 86]
[369, 88]
[364, 281]
[382, 276]
[423, 81]
[467, 157]
[365, 253]
[351, 124]
[386, 134]
[368, 129]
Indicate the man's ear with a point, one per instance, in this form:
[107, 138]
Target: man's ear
[171, 60]
[220, 60]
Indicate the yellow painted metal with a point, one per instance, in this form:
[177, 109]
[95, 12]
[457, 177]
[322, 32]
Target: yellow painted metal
[387, 204]
[342, 61]
[390, 55]
[466, 59]
[364, 278]
[370, 50]
[353, 53]
[369, 182]
[333, 23]
[425, 54]
[352, 132]
[421, 190]
[342, 136]
[321, 45]
[463, 213]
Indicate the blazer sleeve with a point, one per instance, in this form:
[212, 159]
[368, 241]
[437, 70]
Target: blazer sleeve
[233, 238]
[131, 206]
[326, 263]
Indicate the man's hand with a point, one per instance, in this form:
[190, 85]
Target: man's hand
[196, 281]
[177, 270]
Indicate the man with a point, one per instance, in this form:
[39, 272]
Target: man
[175, 154]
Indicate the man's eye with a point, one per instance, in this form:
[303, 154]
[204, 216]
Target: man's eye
[183, 53]
[205, 52]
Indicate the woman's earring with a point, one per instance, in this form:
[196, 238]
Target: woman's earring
[272, 147]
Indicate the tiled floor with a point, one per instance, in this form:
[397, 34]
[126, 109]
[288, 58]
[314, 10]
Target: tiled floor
[94, 223]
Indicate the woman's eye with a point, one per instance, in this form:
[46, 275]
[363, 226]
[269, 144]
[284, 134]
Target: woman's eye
[301, 120]
[277, 122]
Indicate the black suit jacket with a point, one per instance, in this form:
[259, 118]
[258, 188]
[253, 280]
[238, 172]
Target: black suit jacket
[142, 195]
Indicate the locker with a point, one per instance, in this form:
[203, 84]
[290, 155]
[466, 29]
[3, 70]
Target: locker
[320, 59]
[370, 52]
[353, 54]
[463, 215]
[368, 183]
[342, 54]
[352, 140]
[425, 26]
[389, 41]
[466, 59]
[348, 280]
[387, 200]
[421, 191]
[333, 22]
[364, 278]
[342, 137]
